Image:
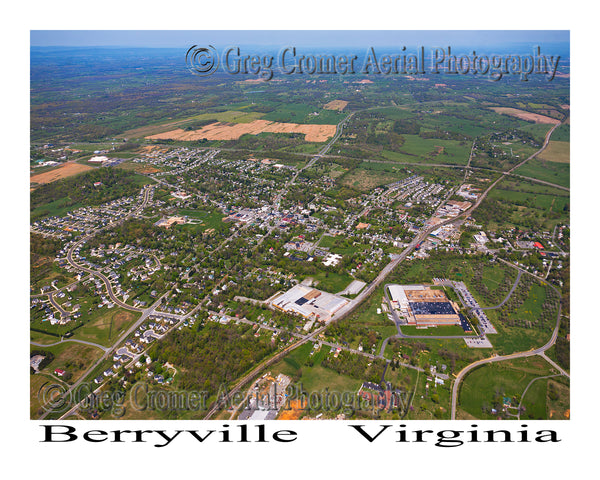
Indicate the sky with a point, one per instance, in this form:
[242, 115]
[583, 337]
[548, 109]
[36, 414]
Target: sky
[322, 38]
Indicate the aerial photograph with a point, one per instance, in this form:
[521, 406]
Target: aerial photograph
[299, 225]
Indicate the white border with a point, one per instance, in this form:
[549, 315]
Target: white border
[323, 448]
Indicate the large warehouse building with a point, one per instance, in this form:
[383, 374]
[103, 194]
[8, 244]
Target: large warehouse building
[422, 306]
[309, 302]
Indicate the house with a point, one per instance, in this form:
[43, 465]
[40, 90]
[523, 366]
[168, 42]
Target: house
[59, 372]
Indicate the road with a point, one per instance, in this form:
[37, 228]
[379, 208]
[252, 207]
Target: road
[519, 273]
[529, 353]
[70, 340]
[351, 306]
[346, 310]
[149, 311]
[527, 388]
[75, 246]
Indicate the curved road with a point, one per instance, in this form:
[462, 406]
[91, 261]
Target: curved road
[527, 388]
[70, 340]
[529, 353]
[508, 295]
[111, 293]
[352, 305]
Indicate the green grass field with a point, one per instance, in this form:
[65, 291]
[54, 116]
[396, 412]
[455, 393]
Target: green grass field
[332, 282]
[105, 329]
[552, 172]
[487, 386]
[492, 277]
[73, 357]
[56, 208]
[430, 150]
[532, 307]
[444, 330]
[303, 113]
[515, 339]
[547, 202]
[534, 401]
[207, 220]
[537, 130]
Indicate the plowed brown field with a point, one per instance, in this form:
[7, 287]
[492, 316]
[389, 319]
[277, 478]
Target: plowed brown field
[233, 131]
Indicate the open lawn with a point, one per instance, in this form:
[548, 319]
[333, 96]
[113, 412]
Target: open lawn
[442, 330]
[202, 220]
[72, 357]
[492, 385]
[106, 328]
[515, 339]
[430, 150]
[332, 282]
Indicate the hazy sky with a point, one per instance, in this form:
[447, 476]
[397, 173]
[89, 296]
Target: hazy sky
[324, 38]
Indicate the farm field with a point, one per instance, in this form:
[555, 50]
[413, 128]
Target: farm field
[303, 113]
[429, 150]
[227, 131]
[523, 115]
[64, 171]
[556, 152]
[226, 116]
[336, 105]
[552, 172]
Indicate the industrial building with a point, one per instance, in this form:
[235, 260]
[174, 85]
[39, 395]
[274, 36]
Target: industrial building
[422, 306]
[309, 302]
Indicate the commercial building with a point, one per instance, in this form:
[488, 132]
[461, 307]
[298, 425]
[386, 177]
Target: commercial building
[309, 302]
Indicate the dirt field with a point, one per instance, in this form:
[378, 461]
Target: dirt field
[523, 115]
[557, 152]
[229, 131]
[66, 170]
[293, 413]
[338, 105]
